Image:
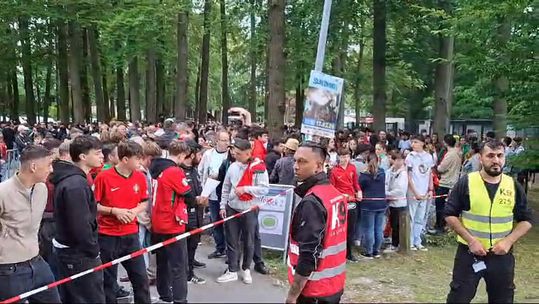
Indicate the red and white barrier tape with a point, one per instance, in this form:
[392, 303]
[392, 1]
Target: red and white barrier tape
[150, 249]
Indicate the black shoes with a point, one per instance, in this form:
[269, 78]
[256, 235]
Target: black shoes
[352, 258]
[122, 293]
[216, 254]
[197, 264]
[262, 269]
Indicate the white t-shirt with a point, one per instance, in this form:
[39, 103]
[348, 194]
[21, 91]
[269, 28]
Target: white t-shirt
[419, 164]
[209, 166]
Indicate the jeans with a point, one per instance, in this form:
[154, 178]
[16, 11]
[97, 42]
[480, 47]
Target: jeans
[372, 223]
[358, 232]
[394, 216]
[498, 276]
[113, 247]
[418, 211]
[243, 227]
[21, 277]
[86, 289]
[171, 269]
[218, 231]
[440, 205]
[351, 227]
[144, 237]
[47, 230]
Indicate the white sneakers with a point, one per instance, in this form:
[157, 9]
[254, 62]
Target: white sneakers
[230, 276]
[247, 279]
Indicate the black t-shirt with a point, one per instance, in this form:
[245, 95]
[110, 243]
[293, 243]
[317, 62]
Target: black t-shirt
[459, 200]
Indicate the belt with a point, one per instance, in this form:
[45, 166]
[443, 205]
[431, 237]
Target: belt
[22, 263]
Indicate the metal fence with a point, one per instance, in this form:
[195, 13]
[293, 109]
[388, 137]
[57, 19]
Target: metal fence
[11, 164]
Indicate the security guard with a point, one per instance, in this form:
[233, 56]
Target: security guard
[481, 209]
[317, 251]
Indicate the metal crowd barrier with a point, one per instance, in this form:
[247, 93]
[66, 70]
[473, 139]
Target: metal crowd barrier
[11, 165]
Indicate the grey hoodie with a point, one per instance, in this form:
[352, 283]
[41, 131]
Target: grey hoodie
[258, 190]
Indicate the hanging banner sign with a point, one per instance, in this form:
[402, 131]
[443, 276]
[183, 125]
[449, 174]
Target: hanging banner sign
[322, 99]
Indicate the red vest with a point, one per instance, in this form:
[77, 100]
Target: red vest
[255, 166]
[330, 274]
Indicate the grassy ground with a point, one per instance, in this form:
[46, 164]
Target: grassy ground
[425, 276]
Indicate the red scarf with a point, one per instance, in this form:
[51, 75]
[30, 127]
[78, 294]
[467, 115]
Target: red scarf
[253, 167]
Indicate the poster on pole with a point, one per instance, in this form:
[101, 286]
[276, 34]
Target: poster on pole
[322, 99]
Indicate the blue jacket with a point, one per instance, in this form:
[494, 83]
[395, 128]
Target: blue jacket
[373, 187]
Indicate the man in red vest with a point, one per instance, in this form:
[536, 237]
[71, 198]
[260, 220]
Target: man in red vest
[317, 251]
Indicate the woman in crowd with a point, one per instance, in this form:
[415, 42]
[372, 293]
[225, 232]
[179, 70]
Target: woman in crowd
[396, 188]
[383, 160]
[373, 207]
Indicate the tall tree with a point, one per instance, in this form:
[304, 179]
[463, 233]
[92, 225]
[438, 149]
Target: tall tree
[120, 93]
[75, 59]
[379, 65]
[276, 67]
[134, 90]
[501, 81]
[97, 76]
[443, 78]
[182, 69]
[151, 86]
[162, 106]
[84, 77]
[225, 97]
[63, 76]
[47, 97]
[253, 61]
[205, 65]
[16, 98]
[26, 59]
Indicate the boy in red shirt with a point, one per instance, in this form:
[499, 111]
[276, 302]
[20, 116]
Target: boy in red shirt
[121, 194]
[170, 200]
[260, 144]
[344, 178]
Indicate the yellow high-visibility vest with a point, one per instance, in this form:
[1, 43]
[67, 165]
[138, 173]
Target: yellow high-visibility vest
[489, 221]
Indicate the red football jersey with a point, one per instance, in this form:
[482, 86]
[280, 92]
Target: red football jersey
[114, 190]
[168, 203]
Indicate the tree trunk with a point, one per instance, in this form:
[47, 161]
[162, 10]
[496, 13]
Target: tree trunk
[182, 69]
[276, 68]
[109, 109]
[84, 78]
[75, 59]
[97, 75]
[225, 97]
[253, 59]
[379, 65]
[63, 76]
[16, 98]
[151, 87]
[197, 94]
[27, 70]
[501, 82]
[205, 65]
[443, 79]
[134, 90]
[300, 96]
[120, 93]
[47, 97]
[162, 106]
[359, 75]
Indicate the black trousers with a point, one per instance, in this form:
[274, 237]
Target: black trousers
[394, 214]
[334, 299]
[440, 205]
[86, 289]
[113, 247]
[351, 228]
[192, 245]
[238, 230]
[257, 254]
[171, 269]
[21, 277]
[498, 277]
[47, 230]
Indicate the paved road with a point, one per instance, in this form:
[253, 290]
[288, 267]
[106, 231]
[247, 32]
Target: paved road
[263, 290]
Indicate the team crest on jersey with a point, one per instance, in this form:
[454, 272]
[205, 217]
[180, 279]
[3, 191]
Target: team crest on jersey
[136, 188]
[185, 182]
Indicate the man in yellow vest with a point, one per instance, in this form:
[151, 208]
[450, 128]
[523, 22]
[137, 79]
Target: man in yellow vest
[481, 209]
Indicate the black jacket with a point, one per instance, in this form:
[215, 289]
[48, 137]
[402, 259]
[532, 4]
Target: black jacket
[271, 159]
[75, 209]
[196, 212]
[309, 224]
[222, 173]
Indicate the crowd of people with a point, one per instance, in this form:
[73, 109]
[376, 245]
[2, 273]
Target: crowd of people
[97, 192]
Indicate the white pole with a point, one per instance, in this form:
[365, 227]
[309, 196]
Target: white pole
[321, 51]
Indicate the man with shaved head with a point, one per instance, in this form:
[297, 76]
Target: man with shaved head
[317, 251]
